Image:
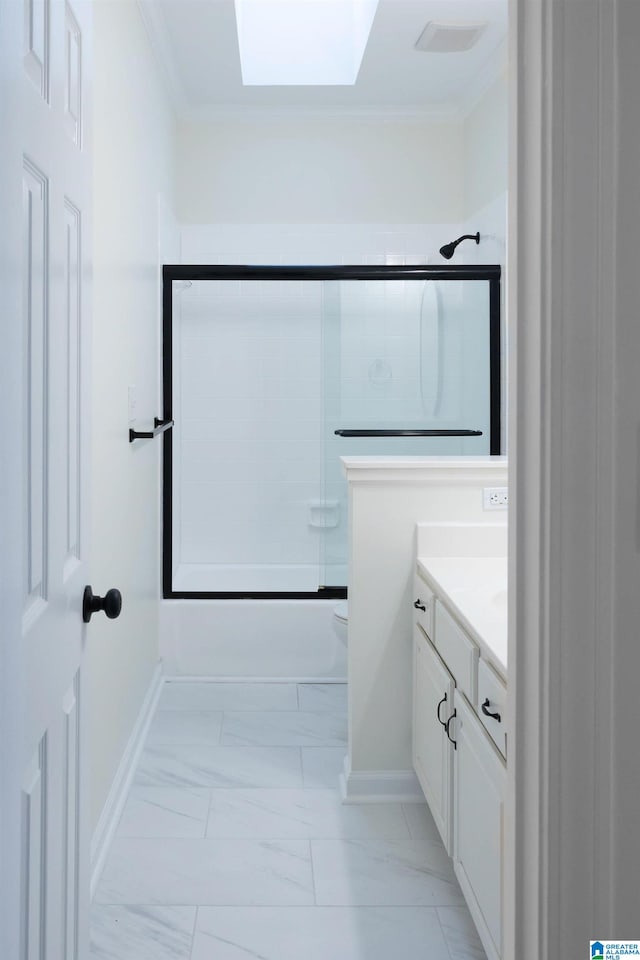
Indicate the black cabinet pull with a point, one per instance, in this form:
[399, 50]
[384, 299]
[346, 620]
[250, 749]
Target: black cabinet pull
[485, 709]
[446, 730]
[111, 603]
[444, 700]
[418, 605]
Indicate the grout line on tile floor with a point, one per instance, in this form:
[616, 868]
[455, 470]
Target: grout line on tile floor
[206, 824]
[406, 820]
[224, 714]
[444, 936]
[313, 875]
[303, 785]
[193, 932]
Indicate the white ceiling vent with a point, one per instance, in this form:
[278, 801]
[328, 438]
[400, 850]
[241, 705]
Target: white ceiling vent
[449, 37]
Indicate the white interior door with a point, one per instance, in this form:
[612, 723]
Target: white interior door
[46, 52]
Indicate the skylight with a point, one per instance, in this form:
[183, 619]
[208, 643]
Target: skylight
[302, 42]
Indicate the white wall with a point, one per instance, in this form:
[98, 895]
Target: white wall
[486, 156]
[485, 147]
[323, 171]
[133, 151]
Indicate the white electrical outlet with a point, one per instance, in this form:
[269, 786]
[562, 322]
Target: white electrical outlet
[495, 498]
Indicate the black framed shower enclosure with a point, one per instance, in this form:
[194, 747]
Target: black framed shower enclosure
[191, 273]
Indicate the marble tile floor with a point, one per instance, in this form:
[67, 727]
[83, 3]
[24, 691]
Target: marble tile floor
[234, 843]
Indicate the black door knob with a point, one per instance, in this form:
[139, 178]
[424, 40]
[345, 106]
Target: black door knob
[111, 603]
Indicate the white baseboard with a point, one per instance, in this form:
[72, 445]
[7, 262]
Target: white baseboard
[379, 786]
[106, 826]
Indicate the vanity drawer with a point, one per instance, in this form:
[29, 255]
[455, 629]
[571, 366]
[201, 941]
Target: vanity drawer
[492, 699]
[458, 652]
[423, 598]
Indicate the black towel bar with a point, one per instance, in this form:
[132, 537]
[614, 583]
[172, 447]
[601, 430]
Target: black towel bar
[159, 426]
[408, 433]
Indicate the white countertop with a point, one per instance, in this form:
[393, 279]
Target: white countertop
[474, 589]
[425, 470]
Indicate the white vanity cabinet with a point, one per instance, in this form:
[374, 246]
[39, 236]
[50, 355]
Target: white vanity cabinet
[458, 756]
[432, 706]
[480, 779]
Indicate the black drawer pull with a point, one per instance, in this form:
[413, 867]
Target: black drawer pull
[418, 605]
[446, 729]
[444, 700]
[485, 709]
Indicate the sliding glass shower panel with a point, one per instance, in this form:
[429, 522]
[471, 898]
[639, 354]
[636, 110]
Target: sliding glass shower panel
[272, 374]
[402, 357]
[247, 475]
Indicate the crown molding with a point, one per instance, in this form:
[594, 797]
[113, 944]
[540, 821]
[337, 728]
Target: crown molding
[445, 113]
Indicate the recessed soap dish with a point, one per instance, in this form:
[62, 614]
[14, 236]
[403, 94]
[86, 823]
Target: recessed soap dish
[324, 514]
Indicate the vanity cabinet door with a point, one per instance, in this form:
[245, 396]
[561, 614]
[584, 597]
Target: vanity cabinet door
[433, 689]
[479, 791]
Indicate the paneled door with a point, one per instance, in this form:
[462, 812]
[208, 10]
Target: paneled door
[45, 49]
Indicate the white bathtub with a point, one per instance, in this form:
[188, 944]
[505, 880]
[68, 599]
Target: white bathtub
[256, 639]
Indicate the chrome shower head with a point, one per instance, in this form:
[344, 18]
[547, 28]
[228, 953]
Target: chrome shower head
[449, 248]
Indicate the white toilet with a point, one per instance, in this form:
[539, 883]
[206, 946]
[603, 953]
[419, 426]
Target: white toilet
[341, 620]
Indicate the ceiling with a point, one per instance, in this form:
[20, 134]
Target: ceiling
[196, 42]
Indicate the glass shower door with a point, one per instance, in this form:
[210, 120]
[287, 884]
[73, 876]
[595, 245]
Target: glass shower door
[406, 372]
[247, 444]
[272, 374]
